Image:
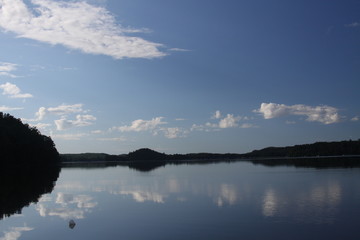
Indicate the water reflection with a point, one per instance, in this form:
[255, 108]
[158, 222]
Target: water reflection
[21, 186]
[270, 203]
[317, 203]
[68, 206]
[143, 196]
[200, 199]
[227, 195]
[15, 233]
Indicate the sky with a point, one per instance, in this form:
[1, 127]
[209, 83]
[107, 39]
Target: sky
[182, 76]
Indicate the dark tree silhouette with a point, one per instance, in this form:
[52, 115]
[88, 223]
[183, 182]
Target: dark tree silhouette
[29, 165]
[24, 145]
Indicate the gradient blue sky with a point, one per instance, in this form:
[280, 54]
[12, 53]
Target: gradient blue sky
[182, 76]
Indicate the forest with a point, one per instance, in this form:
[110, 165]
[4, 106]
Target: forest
[22, 144]
[319, 149]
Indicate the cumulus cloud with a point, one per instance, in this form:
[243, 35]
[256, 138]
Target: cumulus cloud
[216, 115]
[323, 114]
[140, 125]
[13, 91]
[8, 109]
[81, 121]
[229, 121]
[6, 69]
[76, 25]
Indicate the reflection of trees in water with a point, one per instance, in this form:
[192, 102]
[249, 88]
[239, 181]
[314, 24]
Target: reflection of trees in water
[320, 162]
[20, 186]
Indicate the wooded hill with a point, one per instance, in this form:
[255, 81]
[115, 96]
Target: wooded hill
[343, 148]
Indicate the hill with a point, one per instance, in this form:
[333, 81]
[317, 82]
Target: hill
[343, 148]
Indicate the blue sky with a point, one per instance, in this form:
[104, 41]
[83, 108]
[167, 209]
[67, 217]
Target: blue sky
[182, 76]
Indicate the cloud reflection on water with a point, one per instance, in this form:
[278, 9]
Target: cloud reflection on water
[15, 233]
[313, 201]
[318, 203]
[71, 206]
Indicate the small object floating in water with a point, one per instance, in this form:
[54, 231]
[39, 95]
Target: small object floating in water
[72, 224]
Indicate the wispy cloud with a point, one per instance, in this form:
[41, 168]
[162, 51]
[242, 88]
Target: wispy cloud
[60, 110]
[140, 125]
[69, 136]
[13, 91]
[179, 50]
[354, 24]
[174, 132]
[8, 109]
[76, 25]
[6, 69]
[115, 139]
[323, 114]
[355, 119]
[81, 121]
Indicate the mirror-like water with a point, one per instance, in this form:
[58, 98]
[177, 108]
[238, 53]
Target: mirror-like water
[216, 201]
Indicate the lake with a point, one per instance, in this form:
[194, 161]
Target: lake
[237, 200]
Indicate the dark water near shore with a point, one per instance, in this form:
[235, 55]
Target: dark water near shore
[238, 200]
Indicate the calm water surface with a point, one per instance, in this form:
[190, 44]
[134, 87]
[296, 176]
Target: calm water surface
[216, 201]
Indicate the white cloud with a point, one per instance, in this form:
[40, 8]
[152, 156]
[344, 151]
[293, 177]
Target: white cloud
[179, 50]
[59, 110]
[6, 69]
[355, 119]
[15, 233]
[115, 139]
[76, 25]
[75, 136]
[217, 115]
[13, 91]
[8, 109]
[174, 132]
[66, 109]
[229, 121]
[141, 125]
[41, 125]
[81, 121]
[323, 114]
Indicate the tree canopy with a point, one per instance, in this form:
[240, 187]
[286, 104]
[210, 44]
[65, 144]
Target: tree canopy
[22, 144]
